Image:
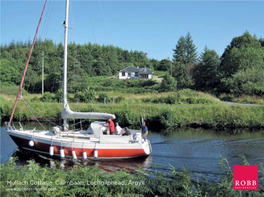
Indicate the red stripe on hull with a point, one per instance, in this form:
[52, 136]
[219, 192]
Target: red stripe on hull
[111, 153]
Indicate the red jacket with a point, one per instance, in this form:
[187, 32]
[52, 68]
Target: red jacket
[111, 126]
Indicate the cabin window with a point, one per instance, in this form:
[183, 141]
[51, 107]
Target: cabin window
[123, 74]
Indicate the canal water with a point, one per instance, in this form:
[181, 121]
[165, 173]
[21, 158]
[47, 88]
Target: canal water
[198, 150]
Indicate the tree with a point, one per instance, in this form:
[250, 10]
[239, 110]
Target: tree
[101, 68]
[112, 60]
[244, 51]
[9, 74]
[191, 53]
[126, 56]
[184, 57]
[168, 83]
[165, 65]
[180, 51]
[181, 73]
[249, 81]
[261, 40]
[75, 71]
[53, 82]
[155, 63]
[185, 51]
[86, 60]
[204, 74]
[244, 55]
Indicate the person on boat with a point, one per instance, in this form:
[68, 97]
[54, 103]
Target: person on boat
[110, 124]
[126, 131]
[118, 129]
[144, 130]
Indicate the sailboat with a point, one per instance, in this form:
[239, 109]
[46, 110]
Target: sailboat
[61, 142]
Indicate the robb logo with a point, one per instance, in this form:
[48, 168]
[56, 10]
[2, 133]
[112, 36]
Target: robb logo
[245, 177]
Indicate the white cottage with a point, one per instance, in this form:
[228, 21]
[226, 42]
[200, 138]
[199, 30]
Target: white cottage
[135, 73]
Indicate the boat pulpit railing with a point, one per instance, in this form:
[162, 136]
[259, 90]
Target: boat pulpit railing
[21, 127]
[12, 126]
[8, 126]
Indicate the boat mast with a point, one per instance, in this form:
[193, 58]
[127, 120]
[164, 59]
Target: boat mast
[65, 103]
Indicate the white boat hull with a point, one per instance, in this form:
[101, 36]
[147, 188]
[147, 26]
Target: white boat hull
[107, 146]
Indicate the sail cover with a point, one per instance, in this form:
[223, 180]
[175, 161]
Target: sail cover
[68, 113]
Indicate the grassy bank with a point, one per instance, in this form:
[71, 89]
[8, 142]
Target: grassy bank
[156, 116]
[185, 96]
[242, 99]
[84, 181]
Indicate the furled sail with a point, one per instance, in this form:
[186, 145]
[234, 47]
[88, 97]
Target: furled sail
[68, 113]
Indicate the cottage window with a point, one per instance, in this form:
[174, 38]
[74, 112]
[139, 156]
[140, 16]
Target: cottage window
[123, 74]
[144, 76]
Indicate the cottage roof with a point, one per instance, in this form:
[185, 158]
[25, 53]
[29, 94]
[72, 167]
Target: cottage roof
[129, 69]
[145, 71]
[139, 70]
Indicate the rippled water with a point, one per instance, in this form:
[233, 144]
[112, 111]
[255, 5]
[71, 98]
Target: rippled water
[199, 150]
[195, 149]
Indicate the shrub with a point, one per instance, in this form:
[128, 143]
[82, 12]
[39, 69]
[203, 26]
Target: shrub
[197, 101]
[59, 96]
[79, 97]
[119, 99]
[169, 119]
[90, 94]
[127, 117]
[47, 97]
[171, 99]
[35, 99]
[168, 84]
[102, 96]
[84, 96]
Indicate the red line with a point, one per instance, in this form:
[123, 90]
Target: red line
[19, 94]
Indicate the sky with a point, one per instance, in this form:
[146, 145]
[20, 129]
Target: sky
[153, 27]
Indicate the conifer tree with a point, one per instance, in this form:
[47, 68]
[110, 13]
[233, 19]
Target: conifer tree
[185, 55]
[191, 53]
[181, 73]
[180, 51]
[168, 84]
[204, 74]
